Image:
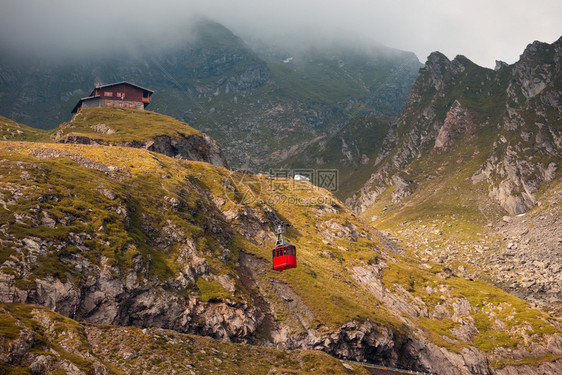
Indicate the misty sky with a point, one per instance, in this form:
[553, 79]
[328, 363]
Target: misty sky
[481, 30]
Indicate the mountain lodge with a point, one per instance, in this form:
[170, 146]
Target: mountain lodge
[120, 95]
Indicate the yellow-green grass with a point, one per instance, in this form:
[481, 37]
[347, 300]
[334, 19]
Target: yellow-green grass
[14, 131]
[487, 302]
[127, 125]
[144, 183]
[52, 340]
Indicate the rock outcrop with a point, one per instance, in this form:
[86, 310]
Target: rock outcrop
[38, 341]
[198, 147]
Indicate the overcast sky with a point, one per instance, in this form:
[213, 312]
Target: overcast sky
[482, 30]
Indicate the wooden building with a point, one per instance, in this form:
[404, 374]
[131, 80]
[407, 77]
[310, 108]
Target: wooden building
[119, 95]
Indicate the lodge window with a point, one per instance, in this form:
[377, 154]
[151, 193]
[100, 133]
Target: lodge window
[108, 93]
[108, 104]
[120, 95]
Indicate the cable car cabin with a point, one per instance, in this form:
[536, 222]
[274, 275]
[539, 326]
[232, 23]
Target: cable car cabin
[284, 257]
[284, 254]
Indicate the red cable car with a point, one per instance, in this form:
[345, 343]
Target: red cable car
[284, 254]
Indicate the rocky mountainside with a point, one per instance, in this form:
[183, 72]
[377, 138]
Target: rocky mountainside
[349, 151]
[131, 237]
[511, 115]
[38, 341]
[261, 108]
[469, 172]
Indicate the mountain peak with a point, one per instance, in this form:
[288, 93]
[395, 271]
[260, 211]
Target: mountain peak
[462, 59]
[437, 57]
[436, 68]
[540, 50]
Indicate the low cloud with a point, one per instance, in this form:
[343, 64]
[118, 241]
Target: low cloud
[481, 30]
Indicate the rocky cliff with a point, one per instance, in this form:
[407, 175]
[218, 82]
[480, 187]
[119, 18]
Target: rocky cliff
[130, 237]
[469, 173]
[512, 116]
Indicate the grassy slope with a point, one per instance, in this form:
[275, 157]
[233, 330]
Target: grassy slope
[145, 189]
[126, 350]
[13, 131]
[443, 189]
[322, 282]
[126, 124]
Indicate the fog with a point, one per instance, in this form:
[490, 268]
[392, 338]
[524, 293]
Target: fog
[483, 31]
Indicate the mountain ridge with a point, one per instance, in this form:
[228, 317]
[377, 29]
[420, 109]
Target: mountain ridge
[437, 80]
[474, 155]
[254, 108]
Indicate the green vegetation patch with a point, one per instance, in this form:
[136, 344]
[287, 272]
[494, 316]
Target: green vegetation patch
[14, 131]
[211, 290]
[52, 335]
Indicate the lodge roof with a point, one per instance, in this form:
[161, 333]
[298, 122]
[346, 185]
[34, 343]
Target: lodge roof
[121, 83]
